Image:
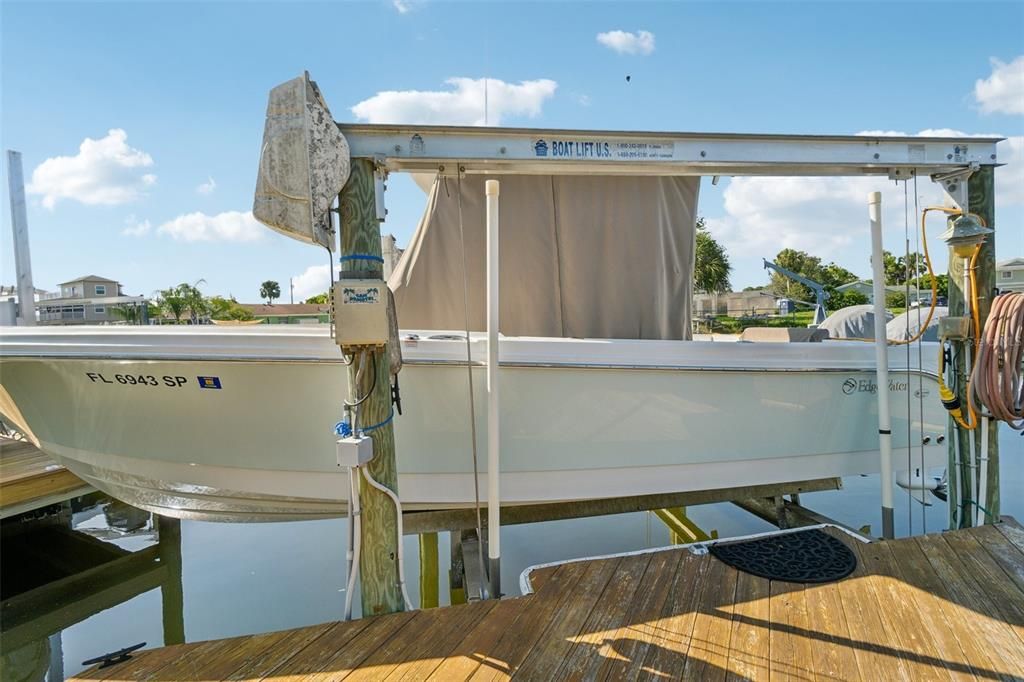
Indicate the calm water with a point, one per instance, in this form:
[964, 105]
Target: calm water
[240, 579]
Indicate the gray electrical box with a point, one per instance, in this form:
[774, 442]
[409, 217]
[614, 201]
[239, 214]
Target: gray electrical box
[360, 314]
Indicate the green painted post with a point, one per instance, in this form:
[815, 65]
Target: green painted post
[981, 198]
[378, 562]
[429, 592]
[172, 595]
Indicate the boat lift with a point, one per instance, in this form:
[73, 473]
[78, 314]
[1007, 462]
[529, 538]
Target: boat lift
[306, 160]
[820, 295]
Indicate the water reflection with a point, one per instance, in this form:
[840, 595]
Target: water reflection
[62, 568]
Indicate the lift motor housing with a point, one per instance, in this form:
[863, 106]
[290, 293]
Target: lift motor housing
[359, 310]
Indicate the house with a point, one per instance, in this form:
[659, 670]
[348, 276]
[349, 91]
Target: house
[1010, 275]
[734, 303]
[9, 302]
[89, 299]
[290, 313]
[867, 290]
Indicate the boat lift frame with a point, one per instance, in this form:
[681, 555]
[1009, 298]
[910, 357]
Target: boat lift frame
[449, 151]
[477, 150]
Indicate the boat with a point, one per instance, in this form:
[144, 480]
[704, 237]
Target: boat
[237, 423]
[605, 393]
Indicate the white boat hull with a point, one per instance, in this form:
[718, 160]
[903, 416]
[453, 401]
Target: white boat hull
[581, 419]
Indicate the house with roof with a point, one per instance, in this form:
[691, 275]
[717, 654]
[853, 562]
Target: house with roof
[290, 313]
[1010, 275]
[89, 299]
[867, 290]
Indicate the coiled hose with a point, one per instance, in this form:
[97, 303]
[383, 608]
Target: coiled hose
[998, 376]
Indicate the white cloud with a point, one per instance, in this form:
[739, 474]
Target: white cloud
[1010, 178]
[462, 105]
[627, 42]
[315, 280]
[402, 6]
[105, 171]
[230, 226]
[207, 187]
[828, 217]
[1003, 91]
[135, 228]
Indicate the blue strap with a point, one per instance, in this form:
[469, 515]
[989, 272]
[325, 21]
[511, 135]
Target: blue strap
[344, 429]
[361, 256]
[367, 429]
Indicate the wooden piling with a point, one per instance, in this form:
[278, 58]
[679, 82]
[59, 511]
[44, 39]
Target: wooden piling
[378, 564]
[981, 197]
[429, 597]
[980, 192]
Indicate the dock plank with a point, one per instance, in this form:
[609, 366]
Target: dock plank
[431, 649]
[671, 634]
[985, 623]
[471, 652]
[749, 641]
[901, 620]
[30, 478]
[941, 615]
[708, 653]
[559, 637]
[1009, 557]
[791, 656]
[877, 658]
[833, 657]
[531, 624]
[623, 655]
[944, 606]
[603, 622]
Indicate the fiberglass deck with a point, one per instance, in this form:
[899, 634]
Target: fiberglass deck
[942, 606]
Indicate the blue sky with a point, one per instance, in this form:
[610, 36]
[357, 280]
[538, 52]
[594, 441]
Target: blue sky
[186, 84]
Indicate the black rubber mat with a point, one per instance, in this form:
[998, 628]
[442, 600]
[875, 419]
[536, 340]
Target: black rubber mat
[806, 556]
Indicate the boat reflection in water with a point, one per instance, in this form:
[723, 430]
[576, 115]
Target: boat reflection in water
[86, 556]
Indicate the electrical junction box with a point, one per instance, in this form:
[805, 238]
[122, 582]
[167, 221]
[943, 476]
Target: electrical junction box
[359, 308]
[354, 451]
[954, 328]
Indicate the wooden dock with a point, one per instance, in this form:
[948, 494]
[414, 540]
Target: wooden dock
[30, 479]
[942, 606]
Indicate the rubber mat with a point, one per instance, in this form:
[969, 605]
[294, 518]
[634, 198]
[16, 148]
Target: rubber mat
[806, 556]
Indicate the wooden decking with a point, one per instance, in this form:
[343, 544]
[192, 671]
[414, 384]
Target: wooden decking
[944, 606]
[30, 479]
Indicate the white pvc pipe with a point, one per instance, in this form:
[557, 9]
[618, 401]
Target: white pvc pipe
[19, 226]
[399, 531]
[355, 540]
[982, 475]
[493, 425]
[881, 363]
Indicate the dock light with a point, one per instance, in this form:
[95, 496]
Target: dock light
[964, 235]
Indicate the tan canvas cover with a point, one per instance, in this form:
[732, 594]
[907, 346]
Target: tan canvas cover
[581, 256]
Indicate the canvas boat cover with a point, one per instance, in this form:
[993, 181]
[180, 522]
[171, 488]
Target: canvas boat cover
[906, 325]
[852, 322]
[581, 256]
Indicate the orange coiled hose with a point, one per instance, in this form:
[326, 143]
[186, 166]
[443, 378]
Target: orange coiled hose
[997, 379]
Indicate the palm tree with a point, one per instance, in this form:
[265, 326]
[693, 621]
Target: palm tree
[171, 301]
[194, 301]
[711, 263]
[128, 313]
[270, 290]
